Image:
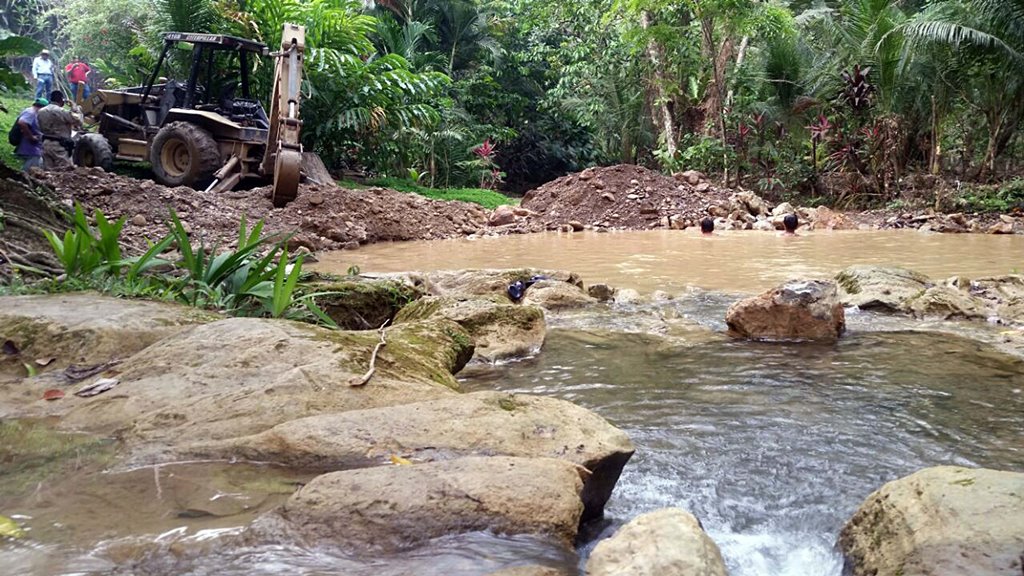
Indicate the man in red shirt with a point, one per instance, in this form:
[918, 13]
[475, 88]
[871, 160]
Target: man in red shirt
[78, 73]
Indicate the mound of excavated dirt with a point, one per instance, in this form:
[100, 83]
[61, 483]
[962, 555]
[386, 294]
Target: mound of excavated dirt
[322, 217]
[625, 196]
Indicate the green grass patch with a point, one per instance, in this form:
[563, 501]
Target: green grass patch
[486, 198]
[14, 104]
[353, 185]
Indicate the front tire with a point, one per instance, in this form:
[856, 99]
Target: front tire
[93, 150]
[184, 154]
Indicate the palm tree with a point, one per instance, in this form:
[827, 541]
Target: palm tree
[987, 42]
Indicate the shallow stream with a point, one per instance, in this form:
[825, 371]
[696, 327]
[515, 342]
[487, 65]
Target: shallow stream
[772, 446]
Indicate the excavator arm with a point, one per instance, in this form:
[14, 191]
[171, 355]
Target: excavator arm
[283, 156]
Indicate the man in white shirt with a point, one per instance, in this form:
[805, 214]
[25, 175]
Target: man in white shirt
[42, 71]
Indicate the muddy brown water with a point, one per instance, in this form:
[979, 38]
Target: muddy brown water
[670, 259]
[772, 446]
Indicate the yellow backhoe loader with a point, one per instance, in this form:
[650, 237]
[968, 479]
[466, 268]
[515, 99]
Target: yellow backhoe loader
[208, 131]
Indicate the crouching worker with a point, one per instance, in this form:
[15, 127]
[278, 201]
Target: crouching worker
[56, 124]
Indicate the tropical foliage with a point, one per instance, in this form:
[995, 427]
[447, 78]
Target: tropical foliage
[846, 100]
[255, 278]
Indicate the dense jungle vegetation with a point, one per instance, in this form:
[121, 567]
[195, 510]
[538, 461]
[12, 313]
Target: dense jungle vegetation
[863, 102]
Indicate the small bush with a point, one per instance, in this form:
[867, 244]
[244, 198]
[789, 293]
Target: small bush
[255, 279]
[1005, 197]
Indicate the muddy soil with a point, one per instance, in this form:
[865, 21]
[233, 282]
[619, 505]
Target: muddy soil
[624, 196]
[322, 217]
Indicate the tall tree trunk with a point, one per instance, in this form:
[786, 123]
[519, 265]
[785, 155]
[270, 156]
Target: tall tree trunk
[740, 54]
[996, 119]
[934, 162]
[661, 114]
[714, 98]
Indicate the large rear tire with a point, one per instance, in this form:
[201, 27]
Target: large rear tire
[184, 154]
[93, 150]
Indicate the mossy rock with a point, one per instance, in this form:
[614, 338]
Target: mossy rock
[240, 376]
[498, 329]
[85, 328]
[362, 304]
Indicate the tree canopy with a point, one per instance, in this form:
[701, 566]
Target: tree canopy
[840, 99]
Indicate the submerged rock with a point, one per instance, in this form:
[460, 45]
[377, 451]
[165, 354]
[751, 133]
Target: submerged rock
[626, 296]
[667, 542]
[395, 507]
[556, 295]
[942, 521]
[870, 287]
[601, 292]
[497, 328]
[482, 423]
[531, 570]
[796, 310]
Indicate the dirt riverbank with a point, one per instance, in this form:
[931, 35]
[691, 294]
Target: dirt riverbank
[620, 197]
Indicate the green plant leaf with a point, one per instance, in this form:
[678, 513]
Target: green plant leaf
[10, 529]
[19, 46]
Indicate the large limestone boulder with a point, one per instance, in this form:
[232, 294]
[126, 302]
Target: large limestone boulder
[667, 542]
[796, 310]
[1004, 295]
[482, 423]
[87, 329]
[942, 521]
[747, 202]
[947, 301]
[396, 507]
[828, 219]
[498, 328]
[240, 376]
[501, 216]
[556, 295]
[879, 287]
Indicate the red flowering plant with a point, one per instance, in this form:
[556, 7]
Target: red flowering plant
[489, 171]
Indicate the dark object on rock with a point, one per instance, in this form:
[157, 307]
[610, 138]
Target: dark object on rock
[517, 289]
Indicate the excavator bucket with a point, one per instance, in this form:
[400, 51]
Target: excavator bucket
[287, 171]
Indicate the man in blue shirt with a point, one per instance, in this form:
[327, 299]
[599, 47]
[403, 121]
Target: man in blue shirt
[31, 147]
[42, 71]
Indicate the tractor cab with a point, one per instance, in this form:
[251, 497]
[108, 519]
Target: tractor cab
[218, 80]
[204, 128]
